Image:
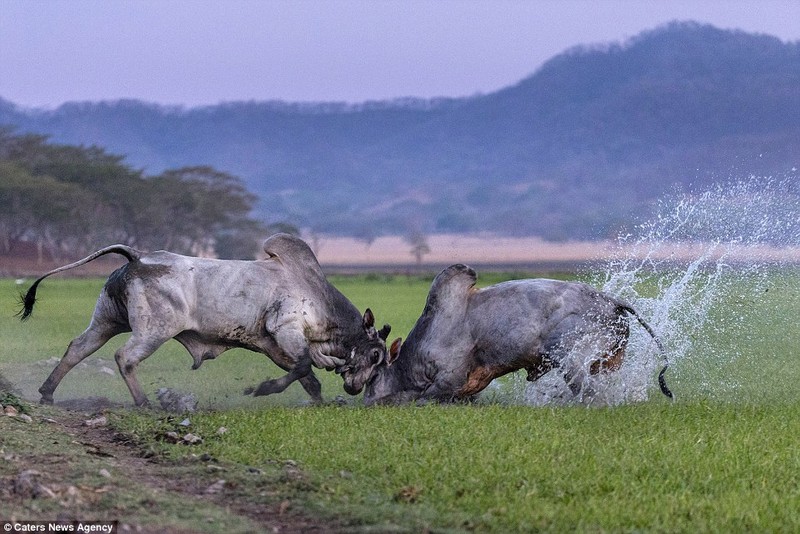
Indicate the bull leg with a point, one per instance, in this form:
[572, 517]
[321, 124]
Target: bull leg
[591, 354]
[300, 371]
[312, 387]
[575, 379]
[79, 349]
[610, 363]
[578, 377]
[478, 379]
[575, 366]
[128, 356]
[542, 366]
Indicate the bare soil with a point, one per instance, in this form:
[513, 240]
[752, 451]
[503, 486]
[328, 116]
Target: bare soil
[72, 465]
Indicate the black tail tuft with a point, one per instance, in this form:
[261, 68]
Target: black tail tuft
[662, 383]
[27, 301]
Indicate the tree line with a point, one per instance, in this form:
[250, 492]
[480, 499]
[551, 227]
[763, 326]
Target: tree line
[70, 200]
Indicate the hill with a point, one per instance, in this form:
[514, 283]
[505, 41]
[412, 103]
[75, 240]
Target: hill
[577, 150]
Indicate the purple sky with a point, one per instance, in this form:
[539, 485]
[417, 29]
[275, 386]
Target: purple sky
[205, 52]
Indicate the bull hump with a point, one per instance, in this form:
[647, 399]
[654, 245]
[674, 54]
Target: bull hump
[452, 286]
[290, 249]
[459, 273]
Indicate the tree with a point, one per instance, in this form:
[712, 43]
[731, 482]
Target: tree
[41, 209]
[419, 245]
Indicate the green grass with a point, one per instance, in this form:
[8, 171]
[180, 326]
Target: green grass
[654, 467]
[723, 458]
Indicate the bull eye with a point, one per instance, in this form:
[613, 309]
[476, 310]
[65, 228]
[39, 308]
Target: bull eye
[376, 354]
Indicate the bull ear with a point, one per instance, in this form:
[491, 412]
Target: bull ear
[394, 351]
[384, 332]
[369, 319]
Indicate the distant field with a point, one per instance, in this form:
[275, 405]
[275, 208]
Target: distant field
[722, 458]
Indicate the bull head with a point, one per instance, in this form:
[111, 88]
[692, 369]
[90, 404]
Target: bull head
[365, 358]
[383, 384]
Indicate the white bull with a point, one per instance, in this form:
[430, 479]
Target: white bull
[282, 306]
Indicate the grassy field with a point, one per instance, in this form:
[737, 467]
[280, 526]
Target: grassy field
[723, 458]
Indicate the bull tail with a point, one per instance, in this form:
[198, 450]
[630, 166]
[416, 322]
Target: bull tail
[29, 299]
[662, 383]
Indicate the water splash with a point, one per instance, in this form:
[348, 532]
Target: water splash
[697, 273]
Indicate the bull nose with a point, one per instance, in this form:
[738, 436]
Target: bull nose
[351, 390]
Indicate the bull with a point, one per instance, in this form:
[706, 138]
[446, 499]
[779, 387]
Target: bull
[466, 337]
[281, 306]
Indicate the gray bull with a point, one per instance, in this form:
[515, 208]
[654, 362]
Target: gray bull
[467, 337]
[281, 306]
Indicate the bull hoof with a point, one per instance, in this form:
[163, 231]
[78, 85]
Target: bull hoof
[267, 388]
[249, 391]
[46, 399]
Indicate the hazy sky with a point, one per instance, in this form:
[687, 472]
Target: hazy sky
[205, 52]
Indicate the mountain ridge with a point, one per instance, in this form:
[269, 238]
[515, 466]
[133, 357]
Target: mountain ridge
[577, 150]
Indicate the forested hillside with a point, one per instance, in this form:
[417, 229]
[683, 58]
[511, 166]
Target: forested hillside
[577, 150]
[70, 200]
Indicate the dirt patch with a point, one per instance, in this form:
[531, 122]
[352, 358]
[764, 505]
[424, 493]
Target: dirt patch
[72, 465]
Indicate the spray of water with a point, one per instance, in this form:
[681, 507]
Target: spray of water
[692, 272]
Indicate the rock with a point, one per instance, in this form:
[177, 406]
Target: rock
[172, 437]
[25, 417]
[10, 411]
[192, 439]
[174, 401]
[27, 486]
[96, 422]
[185, 422]
[104, 473]
[216, 487]
[221, 430]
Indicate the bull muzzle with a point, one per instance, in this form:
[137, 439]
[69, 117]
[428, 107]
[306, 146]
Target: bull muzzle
[351, 389]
